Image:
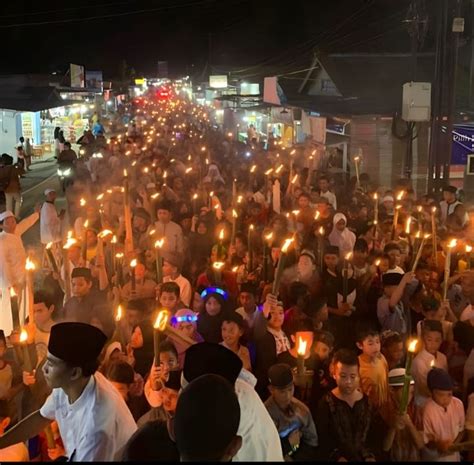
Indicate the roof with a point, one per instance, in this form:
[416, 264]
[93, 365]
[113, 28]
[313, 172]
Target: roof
[368, 83]
[27, 98]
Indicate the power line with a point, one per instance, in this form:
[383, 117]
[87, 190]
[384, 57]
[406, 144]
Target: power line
[74, 8]
[111, 15]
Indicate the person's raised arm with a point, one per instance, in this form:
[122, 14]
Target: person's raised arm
[27, 428]
[398, 293]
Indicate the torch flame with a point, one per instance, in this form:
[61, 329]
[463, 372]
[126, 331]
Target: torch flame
[317, 215]
[100, 196]
[29, 265]
[295, 212]
[348, 256]
[49, 245]
[234, 214]
[188, 170]
[268, 171]
[82, 202]
[452, 243]
[23, 335]
[161, 320]
[286, 245]
[407, 229]
[118, 315]
[251, 227]
[104, 233]
[218, 265]
[302, 344]
[254, 167]
[400, 195]
[119, 255]
[418, 234]
[133, 263]
[432, 363]
[125, 173]
[221, 234]
[235, 269]
[279, 169]
[433, 210]
[376, 196]
[195, 196]
[114, 239]
[321, 231]
[295, 178]
[12, 292]
[412, 346]
[159, 243]
[240, 198]
[377, 262]
[269, 236]
[468, 249]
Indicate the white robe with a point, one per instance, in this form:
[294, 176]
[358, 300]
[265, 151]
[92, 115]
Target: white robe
[12, 267]
[50, 224]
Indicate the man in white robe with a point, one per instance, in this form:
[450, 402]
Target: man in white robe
[50, 219]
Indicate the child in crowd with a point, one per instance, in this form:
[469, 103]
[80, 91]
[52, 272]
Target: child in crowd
[291, 417]
[394, 253]
[159, 374]
[373, 368]
[209, 324]
[185, 321]
[392, 348]
[169, 297]
[344, 415]
[232, 332]
[144, 288]
[121, 374]
[428, 358]
[443, 418]
[390, 309]
[248, 301]
[433, 309]
[172, 264]
[323, 382]
[403, 441]
[271, 341]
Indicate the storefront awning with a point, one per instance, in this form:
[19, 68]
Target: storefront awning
[30, 98]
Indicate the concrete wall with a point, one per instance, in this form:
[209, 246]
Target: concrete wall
[9, 124]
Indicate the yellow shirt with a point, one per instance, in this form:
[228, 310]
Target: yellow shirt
[374, 380]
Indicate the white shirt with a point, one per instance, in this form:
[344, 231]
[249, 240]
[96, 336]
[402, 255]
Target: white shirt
[50, 224]
[331, 198]
[96, 426]
[173, 235]
[13, 254]
[185, 290]
[260, 440]
[440, 424]
[249, 318]
[419, 370]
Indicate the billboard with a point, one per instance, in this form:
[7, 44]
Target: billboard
[94, 81]
[77, 75]
[218, 81]
[272, 92]
[463, 144]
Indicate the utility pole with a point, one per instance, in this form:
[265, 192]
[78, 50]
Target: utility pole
[417, 24]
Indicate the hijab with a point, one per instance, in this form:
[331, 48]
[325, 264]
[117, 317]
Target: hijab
[345, 240]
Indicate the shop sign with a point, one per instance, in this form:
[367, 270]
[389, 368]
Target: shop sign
[27, 125]
[218, 81]
[77, 75]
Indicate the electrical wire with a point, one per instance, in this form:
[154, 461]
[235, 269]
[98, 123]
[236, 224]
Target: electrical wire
[111, 15]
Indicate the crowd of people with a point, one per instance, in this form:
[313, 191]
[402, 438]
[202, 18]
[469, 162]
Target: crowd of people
[205, 299]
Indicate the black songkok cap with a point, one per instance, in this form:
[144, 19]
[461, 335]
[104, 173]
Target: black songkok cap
[84, 272]
[280, 375]
[76, 343]
[208, 358]
[439, 379]
[331, 250]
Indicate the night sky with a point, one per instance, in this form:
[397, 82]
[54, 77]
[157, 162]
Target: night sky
[100, 34]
